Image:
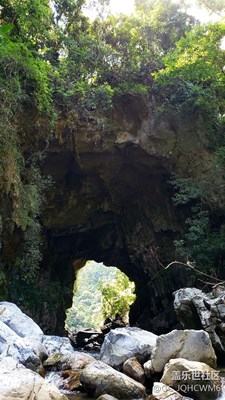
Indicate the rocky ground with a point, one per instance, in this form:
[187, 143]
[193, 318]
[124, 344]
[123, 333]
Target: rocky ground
[132, 364]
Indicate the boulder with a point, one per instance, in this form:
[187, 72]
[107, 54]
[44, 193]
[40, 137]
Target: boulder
[164, 392]
[192, 378]
[198, 310]
[57, 344]
[19, 322]
[189, 344]
[134, 369]
[113, 323]
[20, 336]
[19, 383]
[99, 378]
[74, 361]
[36, 346]
[106, 397]
[87, 339]
[123, 343]
[23, 350]
[71, 366]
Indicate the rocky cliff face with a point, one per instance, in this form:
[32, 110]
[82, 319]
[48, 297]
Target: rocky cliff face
[111, 200]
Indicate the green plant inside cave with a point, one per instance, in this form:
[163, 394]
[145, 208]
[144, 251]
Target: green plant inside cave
[100, 292]
[203, 240]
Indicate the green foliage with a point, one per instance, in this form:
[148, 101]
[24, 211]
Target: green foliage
[203, 240]
[117, 295]
[24, 83]
[116, 55]
[220, 156]
[32, 295]
[193, 76]
[99, 97]
[99, 292]
[167, 19]
[193, 80]
[186, 190]
[28, 75]
[31, 20]
[86, 311]
[198, 57]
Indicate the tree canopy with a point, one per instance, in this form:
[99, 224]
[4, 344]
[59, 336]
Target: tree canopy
[99, 292]
[117, 296]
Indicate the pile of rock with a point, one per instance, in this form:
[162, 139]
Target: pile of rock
[22, 352]
[133, 360]
[198, 310]
[91, 340]
[180, 360]
[87, 339]
[133, 363]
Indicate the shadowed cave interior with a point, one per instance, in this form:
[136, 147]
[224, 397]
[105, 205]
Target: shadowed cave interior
[116, 210]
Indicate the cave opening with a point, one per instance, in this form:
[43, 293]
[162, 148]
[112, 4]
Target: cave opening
[100, 293]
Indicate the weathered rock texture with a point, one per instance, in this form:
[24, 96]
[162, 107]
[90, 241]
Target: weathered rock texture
[76, 360]
[189, 344]
[122, 343]
[164, 392]
[19, 322]
[99, 378]
[111, 201]
[20, 337]
[57, 345]
[19, 383]
[134, 369]
[194, 378]
[197, 310]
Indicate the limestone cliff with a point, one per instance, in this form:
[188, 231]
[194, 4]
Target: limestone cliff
[111, 200]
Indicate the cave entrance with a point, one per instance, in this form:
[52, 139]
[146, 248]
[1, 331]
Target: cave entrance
[99, 293]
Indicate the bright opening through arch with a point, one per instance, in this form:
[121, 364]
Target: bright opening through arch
[100, 292]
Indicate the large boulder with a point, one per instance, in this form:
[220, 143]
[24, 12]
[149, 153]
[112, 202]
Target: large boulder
[67, 369]
[99, 378]
[57, 344]
[164, 392]
[19, 322]
[123, 343]
[20, 336]
[25, 351]
[69, 361]
[134, 369]
[189, 344]
[19, 383]
[87, 339]
[193, 378]
[198, 310]
[106, 397]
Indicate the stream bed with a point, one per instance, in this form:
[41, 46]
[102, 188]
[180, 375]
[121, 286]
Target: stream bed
[54, 378]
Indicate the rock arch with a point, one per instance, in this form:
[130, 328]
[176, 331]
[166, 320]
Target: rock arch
[111, 202]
